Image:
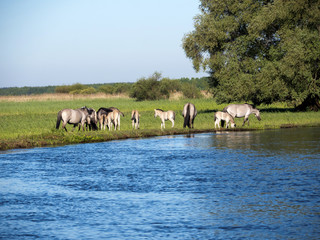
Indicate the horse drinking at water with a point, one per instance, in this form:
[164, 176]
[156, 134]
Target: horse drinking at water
[218, 116]
[189, 113]
[73, 116]
[164, 116]
[242, 110]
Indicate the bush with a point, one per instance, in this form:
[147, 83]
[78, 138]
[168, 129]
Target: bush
[89, 90]
[71, 88]
[191, 91]
[107, 89]
[147, 89]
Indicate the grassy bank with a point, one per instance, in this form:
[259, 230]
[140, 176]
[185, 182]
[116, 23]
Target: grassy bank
[31, 123]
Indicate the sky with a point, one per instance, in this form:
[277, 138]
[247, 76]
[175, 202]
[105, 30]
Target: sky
[62, 42]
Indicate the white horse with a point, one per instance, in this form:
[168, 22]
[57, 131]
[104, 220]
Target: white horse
[242, 110]
[164, 116]
[135, 117]
[218, 116]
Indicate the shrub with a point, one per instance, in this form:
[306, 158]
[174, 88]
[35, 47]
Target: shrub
[70, 88]
[191, 91]
[108, 89]
[147, 88]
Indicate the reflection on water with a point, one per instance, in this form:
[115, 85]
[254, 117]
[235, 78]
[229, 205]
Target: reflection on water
[228, 185]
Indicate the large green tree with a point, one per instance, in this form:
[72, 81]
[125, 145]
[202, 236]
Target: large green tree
[259, 50]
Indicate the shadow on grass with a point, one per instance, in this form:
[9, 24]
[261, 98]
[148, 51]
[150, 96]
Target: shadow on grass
[278, 110]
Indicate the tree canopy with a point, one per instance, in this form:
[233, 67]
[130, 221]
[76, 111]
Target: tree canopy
[259, 50]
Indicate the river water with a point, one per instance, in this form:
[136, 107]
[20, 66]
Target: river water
[227, 185]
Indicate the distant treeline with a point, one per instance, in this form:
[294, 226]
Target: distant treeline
[154, 86]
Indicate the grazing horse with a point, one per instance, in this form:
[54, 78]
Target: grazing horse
[105, 119]
[73, 116]
[218, 116]
[135, 117]
[189, 113]
[93, 120]
[242, 110]
[164, 116]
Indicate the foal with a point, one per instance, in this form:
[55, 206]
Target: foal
[218, 116]
[164, 116]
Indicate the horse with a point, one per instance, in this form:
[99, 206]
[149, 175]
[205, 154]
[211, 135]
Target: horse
[135, 117]
[73, 116]
[164, 116]
[218, 116]
[113, 118]
[189, 113]
[93, 120]
[102, 116]
[242, 110]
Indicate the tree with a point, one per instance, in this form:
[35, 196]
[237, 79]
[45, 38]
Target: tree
[259, 50]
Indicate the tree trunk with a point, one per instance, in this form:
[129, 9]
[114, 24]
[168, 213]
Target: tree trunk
[311, 103]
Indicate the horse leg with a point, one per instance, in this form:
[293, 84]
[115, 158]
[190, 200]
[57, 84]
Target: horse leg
[64, 126]
[172, 122]
[246, 118]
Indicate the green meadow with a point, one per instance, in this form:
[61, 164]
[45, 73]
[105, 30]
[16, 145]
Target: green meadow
[25, 124]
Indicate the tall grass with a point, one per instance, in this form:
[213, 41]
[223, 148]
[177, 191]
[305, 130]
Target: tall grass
[34, 118]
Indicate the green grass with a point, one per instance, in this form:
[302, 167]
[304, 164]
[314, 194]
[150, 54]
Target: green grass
[32, 123]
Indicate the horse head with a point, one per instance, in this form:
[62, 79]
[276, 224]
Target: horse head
[257, 114]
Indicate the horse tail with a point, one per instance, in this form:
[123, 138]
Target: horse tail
[121, 113]
[174, 116]
[59, 118]
[187, 117]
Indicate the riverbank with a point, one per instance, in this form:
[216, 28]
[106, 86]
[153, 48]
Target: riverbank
[28, 124]
[60, 138]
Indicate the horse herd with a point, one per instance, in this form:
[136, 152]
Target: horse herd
[108, 117]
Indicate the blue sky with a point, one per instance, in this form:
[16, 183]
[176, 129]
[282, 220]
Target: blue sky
[61, 42]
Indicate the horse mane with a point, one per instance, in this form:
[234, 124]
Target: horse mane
[253, 106]
[107, 110]
[159, 109]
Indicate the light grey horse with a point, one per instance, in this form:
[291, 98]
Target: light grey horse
[73, 116]
[164, 116]
[135, 117]
[218, 116]
[242, 110]
[189, 113]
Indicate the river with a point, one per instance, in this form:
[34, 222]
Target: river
[224, 185]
